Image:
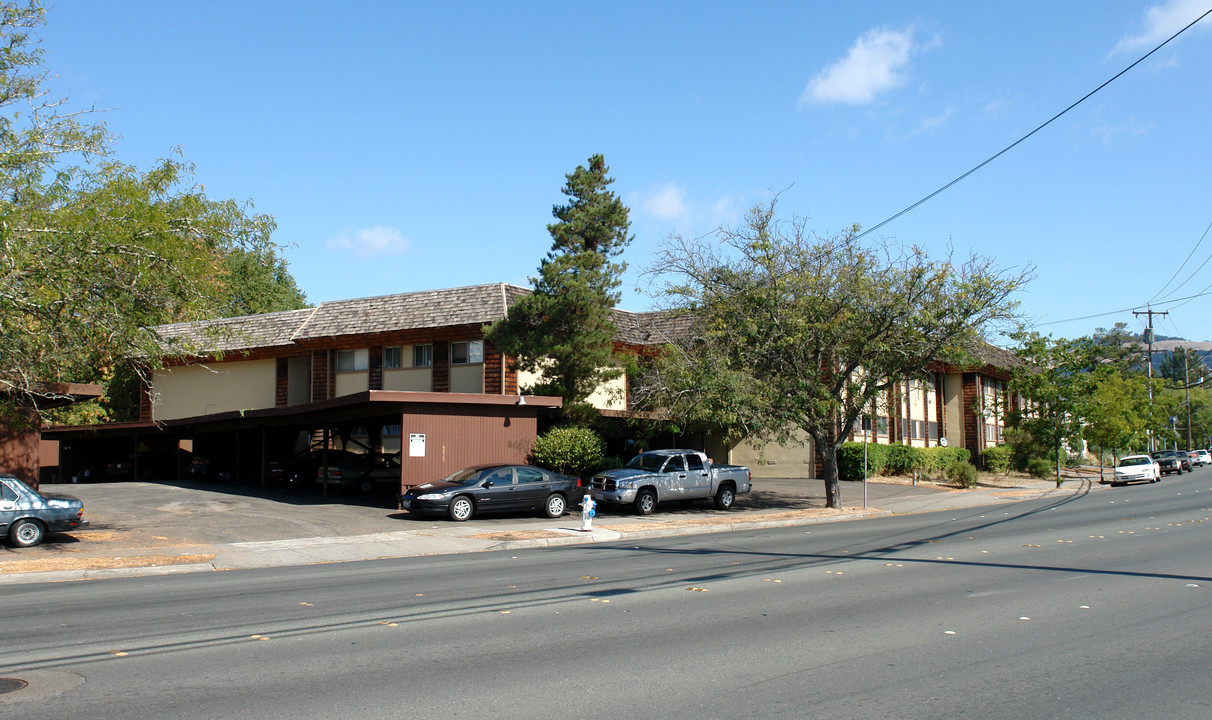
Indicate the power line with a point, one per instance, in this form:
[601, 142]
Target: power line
[1180, 267]
[1011, 146]
[1206, 291]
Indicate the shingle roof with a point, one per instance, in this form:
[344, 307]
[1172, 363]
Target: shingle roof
[470, 305]
[653, 328]
[475, 304]
[238, 333]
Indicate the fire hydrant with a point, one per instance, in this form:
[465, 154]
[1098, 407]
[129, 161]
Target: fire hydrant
[587, 513]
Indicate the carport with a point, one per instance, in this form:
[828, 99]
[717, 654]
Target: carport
[436, 434]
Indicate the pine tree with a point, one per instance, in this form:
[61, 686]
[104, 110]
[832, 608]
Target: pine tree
[564, 330]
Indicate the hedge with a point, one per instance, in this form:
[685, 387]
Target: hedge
[884, 459]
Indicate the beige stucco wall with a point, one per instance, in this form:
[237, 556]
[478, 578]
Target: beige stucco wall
[410, 379]
[611, 395]
[953, 398]
[349, 383]
[467, 378]
[776, 461]
[194, 390]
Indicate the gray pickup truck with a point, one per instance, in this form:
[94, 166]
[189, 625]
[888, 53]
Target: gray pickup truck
[660, 475]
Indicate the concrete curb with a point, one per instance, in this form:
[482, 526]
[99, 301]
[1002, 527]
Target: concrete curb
[448, 541]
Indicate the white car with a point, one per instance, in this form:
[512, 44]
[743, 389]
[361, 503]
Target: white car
[1136, 468]
[1204, 457]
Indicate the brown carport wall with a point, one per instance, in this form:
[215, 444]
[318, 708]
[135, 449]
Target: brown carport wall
[19, 450]
[460, 429]
[438, 439]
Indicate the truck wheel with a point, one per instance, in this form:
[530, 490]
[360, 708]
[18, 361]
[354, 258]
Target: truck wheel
[26, 533]
[645, 502]
[461, 508]
[555, 505]
[725, 497]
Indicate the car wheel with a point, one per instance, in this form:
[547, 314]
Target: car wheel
[725, 497]
[645, 502]
[555, 506]
[461, 508]
[26, 533]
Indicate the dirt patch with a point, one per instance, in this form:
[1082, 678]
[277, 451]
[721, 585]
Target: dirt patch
[10, 567]
[519, 535]
[1009, 480]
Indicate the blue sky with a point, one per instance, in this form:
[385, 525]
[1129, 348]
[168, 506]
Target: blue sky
[407, 146]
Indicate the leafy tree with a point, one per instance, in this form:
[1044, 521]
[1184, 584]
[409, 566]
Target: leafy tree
[1054, 380]
[96, 252]
[1184, 366]
[1117, 410]
[565, 328]
[1117, 346]
[800, 332]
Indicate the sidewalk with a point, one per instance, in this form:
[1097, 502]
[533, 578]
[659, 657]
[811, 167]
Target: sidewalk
[142, 529]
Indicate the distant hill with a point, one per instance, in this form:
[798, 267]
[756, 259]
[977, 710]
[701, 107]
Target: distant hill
[1163, 347]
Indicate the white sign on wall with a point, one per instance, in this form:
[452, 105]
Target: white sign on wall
[416, 445]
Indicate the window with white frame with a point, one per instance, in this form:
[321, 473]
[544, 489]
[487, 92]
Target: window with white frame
[391, 357]
[353, 360]
[422, 355]
[467, 353]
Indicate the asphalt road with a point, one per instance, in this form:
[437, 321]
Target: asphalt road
[1090, 606]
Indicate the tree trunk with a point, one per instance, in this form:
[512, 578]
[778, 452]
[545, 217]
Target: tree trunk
[827, 447]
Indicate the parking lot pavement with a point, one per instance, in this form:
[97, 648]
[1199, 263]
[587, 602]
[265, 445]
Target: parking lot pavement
[140, 528]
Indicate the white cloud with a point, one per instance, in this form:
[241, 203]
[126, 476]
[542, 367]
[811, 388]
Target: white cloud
[875, 63]
[931, 123]
[667, 203]
[370, 242]
[1109, 133]
[1162, 21]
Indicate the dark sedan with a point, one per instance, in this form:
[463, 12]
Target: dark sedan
[495, 488]
[26, 515]
[1168, 461]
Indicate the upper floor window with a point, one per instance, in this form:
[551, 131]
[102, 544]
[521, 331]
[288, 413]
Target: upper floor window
[467, 353]
[353, 360]
[391, 358]
[422, 355]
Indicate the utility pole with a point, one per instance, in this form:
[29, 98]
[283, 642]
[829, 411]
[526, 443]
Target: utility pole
[1149, 339]
[1187, 384]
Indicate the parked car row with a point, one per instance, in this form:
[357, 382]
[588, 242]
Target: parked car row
[649, 478]
[1150, 468]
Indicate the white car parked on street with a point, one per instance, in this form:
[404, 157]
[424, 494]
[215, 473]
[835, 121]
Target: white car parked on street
[1136, 468]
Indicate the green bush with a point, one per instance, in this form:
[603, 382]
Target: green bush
[998, 459]
[905, 460]
[850, 460]
[941, 459]
[962, 473]
[1041, 468]
[569, 450]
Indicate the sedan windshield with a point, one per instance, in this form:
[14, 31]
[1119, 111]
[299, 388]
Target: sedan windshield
[1134, 461]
